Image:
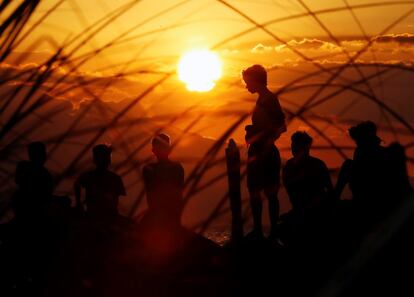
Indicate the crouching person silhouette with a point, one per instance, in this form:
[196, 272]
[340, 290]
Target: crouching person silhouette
[102, 187]
[377, 175]
[263, 167]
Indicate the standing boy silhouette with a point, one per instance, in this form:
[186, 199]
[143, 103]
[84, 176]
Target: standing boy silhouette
[263, 168]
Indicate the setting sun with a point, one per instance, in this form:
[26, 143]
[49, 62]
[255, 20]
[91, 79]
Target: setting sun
[199, 69]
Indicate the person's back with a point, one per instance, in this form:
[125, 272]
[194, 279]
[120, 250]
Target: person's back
[102, 191]
[306, 181]
[378, 177]
[267, 117]
[368, 177]
[164, 183]
[306, 178]
[102, 186]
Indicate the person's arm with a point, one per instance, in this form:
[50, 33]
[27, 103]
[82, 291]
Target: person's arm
[18, 177]
[50, 184]
[77, 188]
[121, 187]
[286, 179]
[277, 118]
[327, 181]
[181, 176]
[146, 177]
[343, 178]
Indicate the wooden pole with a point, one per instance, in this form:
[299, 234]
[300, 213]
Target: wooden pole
[233, 175]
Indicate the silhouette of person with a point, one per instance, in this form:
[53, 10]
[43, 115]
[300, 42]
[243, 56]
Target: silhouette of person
[306, 178]
[164, 183]
[102, 187]
[377, 175]
[35, 185]
[263, 167]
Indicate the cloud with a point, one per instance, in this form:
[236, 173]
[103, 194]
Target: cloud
[308, 44]
[384, 49]
[260, 49]
[76, 87]
[402, 39]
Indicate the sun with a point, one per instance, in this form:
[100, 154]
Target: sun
[199, 70]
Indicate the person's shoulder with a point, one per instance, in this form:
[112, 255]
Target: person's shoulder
[85, 178]
[87, 175]
[317, 162]
[47, 172]
[271, 96]
[23, 164]
[113, 174]
[176, 164]
[149, 166]
[289, 163]
[88, 172]
[176, 167]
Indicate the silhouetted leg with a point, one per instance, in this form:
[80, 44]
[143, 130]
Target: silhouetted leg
[271, 194]
[256, 205]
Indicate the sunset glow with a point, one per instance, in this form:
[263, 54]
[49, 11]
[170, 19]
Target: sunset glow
[199, 70]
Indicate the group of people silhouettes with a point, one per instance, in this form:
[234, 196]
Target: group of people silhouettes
[376, 175]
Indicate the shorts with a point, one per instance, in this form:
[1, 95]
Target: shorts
[263, 167]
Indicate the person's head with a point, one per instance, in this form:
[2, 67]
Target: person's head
[161, 146]
[102, 156]
[365, 134]
[255, 78]
[37, 152]
[301, 143]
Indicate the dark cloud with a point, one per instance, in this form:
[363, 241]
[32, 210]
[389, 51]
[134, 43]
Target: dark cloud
[76, 87]
[403, 39]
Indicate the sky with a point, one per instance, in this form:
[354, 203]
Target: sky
[125, 53]
[133, 43]
[192, 24]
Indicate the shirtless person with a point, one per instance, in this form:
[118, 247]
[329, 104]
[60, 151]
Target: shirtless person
[102, 187]
[164, 183]
[263, 168]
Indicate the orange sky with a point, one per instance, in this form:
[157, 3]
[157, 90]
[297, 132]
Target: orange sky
[146, 36]
[145, 39]
[204, 23]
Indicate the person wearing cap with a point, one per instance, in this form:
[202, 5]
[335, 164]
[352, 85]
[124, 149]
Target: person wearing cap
[376, 175]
